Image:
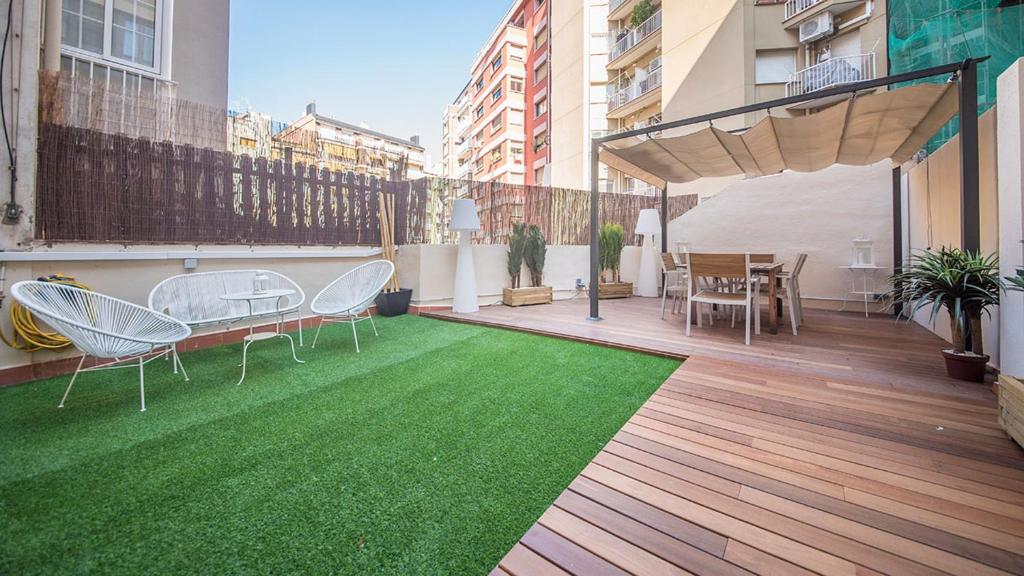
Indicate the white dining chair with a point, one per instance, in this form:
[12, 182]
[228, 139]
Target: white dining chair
[118, 333]
[350, 296]
[674, 282]
[731, 268]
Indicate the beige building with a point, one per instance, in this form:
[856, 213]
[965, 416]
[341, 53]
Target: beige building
[579, 53]
[456, 137]
[668, 60]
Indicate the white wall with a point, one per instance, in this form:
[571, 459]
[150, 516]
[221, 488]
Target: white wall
[818, 213]
[430, 271]
[1010, 123]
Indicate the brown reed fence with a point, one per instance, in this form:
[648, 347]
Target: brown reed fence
[562, 214]
[99, 187]
[95, 186]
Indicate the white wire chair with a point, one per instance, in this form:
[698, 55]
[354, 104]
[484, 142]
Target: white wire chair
[104, 327]
[351, 295]
[195, 299]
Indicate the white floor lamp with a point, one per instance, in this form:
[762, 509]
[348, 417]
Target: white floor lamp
[648, 224]
[465, 221]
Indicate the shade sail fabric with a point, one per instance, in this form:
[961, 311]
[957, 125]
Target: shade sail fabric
[859, 131]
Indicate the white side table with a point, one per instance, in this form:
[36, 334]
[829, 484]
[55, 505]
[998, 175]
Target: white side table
[252, 336]
[862, 284]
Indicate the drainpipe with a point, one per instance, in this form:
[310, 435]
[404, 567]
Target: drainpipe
[51, 36]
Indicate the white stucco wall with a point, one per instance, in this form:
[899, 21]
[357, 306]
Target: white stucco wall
[430, 271]
[1010, 123]
[818, 213]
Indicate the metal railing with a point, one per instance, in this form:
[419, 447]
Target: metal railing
[832, 72]
[794, 7]
[635, 36]
[636, 89]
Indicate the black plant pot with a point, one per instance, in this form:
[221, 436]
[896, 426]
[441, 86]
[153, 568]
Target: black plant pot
[393, 303]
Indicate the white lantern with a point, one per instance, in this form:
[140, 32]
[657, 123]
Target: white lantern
[260, 283]
[863, 252]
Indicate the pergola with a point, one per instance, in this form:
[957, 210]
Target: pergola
[868, 129]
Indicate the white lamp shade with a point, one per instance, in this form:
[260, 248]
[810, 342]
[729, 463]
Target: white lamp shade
[648, 222]
[464, 217]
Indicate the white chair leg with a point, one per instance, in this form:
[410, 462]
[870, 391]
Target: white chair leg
[370, 316]
[142, 384]
[245, 352]
[177, 361]
[792, 308]
[757, 319]
[700, 314]
[298, 315]
[747, 323]
[689, 311]
[352, 320]
[318, 327]
[664, 294]
[72, 383]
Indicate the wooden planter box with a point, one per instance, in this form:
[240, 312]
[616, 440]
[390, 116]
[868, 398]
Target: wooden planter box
[526, 296]
[1011, 407]
[606, 290]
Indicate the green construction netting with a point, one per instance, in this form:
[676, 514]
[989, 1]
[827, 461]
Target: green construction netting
[925, 33]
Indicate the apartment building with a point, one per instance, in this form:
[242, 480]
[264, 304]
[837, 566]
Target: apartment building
[456, 137]
[579, 54]
[671, 60]
[497, 128]
[337, 145]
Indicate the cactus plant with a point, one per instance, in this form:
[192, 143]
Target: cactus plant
[516, 250]
[535, 253]
[611, 241]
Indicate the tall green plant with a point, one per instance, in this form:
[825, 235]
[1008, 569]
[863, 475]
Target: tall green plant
[965, 284]
[535, 254]
[516, 249]
[641, 12]
[611, 241]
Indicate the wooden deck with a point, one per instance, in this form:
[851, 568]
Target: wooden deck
[844, 450]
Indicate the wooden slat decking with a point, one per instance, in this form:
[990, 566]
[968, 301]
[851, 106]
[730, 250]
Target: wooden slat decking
[796, 457]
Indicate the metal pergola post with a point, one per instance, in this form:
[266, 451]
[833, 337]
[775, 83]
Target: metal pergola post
[897, 230]
[970, 205]
[968, 90]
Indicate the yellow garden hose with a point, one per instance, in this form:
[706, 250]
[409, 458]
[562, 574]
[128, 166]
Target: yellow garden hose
[28, 335]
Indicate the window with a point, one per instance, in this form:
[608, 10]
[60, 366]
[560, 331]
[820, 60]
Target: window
[540, 140]
[479, 84]
[496, 124]
[774, 66]
[540, 107]
[517, 154]
[538, 176]
[496, 155]
[496, 95]
[122, 30]
[247, 142]
[540, 38]
[496, 63]
[540, 73]
[516, 85]
[479, 112]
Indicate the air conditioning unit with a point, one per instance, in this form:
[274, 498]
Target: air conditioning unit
[818, 27]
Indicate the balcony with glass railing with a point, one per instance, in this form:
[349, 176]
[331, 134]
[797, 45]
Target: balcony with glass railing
[625, 95]
[832, 72]
[620, 47]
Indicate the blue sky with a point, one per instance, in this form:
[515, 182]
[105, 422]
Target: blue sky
[392, 65]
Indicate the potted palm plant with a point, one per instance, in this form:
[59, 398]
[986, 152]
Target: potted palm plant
[964, 284]
[611, 241]
[526, 244]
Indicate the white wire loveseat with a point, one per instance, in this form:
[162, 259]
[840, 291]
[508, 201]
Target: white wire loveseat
[195, 299]
[117, 333]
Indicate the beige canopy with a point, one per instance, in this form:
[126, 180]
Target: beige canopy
[859, 131]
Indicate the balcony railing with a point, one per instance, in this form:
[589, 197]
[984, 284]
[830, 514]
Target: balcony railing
[635, 36]
[635, 90]
[794, 7]
[832, 72]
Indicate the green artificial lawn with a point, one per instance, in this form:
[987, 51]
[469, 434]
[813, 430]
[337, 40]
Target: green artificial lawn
[431, 452]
